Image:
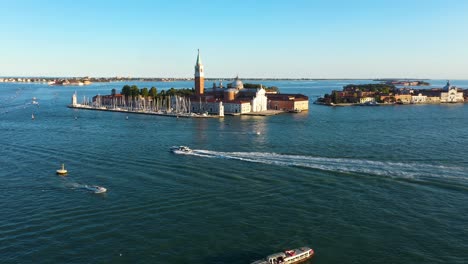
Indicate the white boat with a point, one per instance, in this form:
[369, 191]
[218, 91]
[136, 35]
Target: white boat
[181, 150]
[62, 171]
[288, 257]
[96, 189]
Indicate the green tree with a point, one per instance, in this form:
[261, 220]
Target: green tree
[134, 91]
[126, 90]
[144, 92]
[153, 92]
[336, 98]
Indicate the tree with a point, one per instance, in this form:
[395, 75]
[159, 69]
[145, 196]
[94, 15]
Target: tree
[134, 91]
[144, 92]
[153, 92]
[336, 98]
[113, 92]
[126, 90]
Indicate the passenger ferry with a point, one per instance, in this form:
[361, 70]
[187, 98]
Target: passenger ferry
[288, 257]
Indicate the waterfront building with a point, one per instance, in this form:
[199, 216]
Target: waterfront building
[288, 102]
[432, 95]
[237, 99]
[451, 94]
[364, 100]
[418, 99]
[403, 98]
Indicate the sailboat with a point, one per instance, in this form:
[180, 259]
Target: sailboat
[32, 116]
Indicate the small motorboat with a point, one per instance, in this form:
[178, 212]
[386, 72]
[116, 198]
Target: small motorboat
[181, 150]
[288, 257]
[62, 171]
[96, 189]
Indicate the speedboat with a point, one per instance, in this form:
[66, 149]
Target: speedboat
[181, 150]
[288, 256]
[96, 189]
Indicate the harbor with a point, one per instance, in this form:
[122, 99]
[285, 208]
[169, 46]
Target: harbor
[142, 112]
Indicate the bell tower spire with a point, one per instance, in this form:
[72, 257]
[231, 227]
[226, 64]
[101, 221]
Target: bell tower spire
[199, 76]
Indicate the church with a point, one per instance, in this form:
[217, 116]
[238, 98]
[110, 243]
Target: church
[236, 100]
[451, 94]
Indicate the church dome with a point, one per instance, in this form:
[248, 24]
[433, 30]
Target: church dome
[238, 84]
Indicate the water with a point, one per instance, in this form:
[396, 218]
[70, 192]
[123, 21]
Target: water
[357, 184]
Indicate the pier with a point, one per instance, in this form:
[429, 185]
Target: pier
[143, 112]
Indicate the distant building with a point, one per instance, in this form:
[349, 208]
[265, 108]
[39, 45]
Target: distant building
[450, 94]
[418, 99]
[236, 99]
[288, 102]
[403, 98]
[364, 100]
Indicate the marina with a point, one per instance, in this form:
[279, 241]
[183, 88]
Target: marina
[143, 112]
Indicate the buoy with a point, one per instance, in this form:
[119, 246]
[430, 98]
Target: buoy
[62, 171]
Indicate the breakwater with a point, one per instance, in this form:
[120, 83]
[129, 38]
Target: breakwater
[143, 112]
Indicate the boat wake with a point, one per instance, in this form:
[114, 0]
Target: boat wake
[91, 188]
[345, 165]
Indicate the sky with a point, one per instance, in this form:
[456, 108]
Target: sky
[262, 39]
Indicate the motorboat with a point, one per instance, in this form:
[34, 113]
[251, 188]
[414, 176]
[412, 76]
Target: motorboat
[181, 150]
[62, 171]
[96, 189]
[288, 256]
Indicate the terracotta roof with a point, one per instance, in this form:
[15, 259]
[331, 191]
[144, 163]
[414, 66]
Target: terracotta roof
[288, 97]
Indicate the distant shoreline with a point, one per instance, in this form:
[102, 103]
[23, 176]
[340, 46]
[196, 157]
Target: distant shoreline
[173, 79]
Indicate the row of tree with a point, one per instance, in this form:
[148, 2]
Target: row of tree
[370, 87]
[133, 91]
[258, 86]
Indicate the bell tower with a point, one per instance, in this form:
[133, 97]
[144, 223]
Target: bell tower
[199, 77]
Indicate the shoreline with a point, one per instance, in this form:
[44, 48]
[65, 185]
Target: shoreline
[384, 104]
[85, 107]
[191, 115]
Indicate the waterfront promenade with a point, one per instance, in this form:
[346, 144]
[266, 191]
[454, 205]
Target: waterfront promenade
[143, 112]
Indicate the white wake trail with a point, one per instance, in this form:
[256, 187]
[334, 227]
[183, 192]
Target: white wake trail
[344, 165]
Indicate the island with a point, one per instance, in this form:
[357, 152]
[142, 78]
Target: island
[236, 98]
[389, 94]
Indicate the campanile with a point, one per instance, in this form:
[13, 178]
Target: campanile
[199, 76]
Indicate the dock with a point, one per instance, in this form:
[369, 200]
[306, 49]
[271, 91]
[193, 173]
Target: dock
[264, 113]
[141, 112]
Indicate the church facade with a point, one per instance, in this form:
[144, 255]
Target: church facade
[451, 94]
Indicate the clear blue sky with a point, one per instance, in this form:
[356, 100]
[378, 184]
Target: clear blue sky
[310, 38]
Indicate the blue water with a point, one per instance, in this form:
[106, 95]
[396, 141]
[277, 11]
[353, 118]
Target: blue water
[382, 184]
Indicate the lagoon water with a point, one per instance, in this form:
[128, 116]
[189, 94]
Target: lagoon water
[357, 184]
